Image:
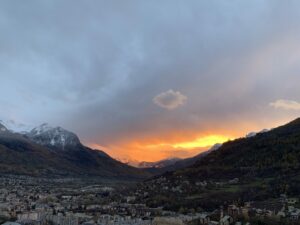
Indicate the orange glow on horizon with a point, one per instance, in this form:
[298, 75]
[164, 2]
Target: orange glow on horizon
[154, 150]
[181, 143]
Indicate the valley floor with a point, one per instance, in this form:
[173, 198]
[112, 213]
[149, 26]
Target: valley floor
[74, 201]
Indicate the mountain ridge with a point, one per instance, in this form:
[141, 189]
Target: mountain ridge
[264, 154]
[158, 164]
[27, 154]
[263, 166]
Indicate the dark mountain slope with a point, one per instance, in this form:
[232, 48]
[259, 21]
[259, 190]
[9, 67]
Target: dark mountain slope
[21, 154]
[266, 154]
[18, 155]
[256, 168]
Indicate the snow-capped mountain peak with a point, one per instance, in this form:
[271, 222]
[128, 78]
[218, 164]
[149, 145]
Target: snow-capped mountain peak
[41, 129]
[54, 137]
[215, 147]
[253, 134]
[159, 164]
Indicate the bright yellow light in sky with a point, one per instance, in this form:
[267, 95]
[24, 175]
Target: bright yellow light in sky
[203, 142]
[206, 141]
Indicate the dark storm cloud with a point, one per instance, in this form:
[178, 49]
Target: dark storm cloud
[95, 66]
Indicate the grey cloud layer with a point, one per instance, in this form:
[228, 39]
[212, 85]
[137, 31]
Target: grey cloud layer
[95, 66]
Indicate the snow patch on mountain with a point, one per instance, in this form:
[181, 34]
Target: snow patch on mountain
[57, 137]
[253, 134]
[215, 147]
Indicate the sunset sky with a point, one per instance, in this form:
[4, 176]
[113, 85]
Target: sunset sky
[146, 80]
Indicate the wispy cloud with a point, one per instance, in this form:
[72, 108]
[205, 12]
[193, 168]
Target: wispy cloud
[286, 104]
[170, 99]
